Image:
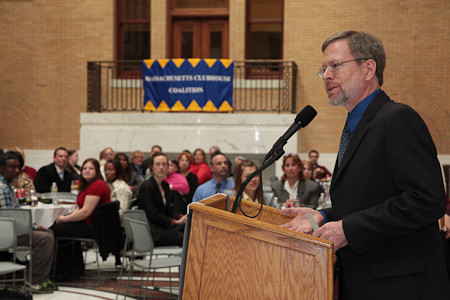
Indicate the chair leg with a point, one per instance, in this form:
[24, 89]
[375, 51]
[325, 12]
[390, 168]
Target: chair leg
[170, 282]
[130, 274]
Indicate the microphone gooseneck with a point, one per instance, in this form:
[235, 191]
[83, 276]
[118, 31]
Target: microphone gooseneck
[303, 118]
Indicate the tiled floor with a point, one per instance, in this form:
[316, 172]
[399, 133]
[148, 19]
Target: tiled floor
[107, 287]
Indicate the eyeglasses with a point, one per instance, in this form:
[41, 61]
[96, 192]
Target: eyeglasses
[290, 155]
[334, 66]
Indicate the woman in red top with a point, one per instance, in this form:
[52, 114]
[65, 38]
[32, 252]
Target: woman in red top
[200, 167]
[93, 191]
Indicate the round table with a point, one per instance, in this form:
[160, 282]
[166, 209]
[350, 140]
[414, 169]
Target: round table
[46, 214]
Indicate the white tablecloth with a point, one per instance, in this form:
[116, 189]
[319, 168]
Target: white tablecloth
[46, 214]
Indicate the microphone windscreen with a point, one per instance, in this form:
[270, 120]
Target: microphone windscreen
[305, 116]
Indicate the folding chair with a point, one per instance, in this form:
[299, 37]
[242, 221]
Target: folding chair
[23, 223]
[8, 242]
[140, 215]
[143, 243]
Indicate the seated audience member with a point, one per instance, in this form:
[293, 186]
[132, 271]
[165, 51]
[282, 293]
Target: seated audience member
[131, 177]
[120, 191]
[292, 188]
[137, 159]
[54, 172]
[252, 191]
[237, 161]
[185, 160]
[308, 173]
[219, 182]
[176, 181]
[42, 241]
[156, 199]
[93, 192]
[155, 149]
[72, 166]
[23, 181]
[105, 155]
[320, 172]
[307, 170]
[199, 167]
[214, 149]
[26, 169]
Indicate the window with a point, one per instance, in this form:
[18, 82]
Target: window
[133, 29]
[264, 29]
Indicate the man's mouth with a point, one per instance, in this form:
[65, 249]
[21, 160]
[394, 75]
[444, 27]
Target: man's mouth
[329, 89]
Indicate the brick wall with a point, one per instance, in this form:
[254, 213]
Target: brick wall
[46, 45]
[45, 48]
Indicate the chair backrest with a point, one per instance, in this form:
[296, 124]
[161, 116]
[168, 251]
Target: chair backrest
[8, 238]
[140, 231]
[138, 215]
[22, 218]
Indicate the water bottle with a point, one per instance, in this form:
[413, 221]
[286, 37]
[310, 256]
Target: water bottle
[322, 200]
[33, 198]
[54, 190]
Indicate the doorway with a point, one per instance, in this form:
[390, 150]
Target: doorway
[200, 38]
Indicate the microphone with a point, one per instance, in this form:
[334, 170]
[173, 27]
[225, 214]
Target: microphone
[304, 117]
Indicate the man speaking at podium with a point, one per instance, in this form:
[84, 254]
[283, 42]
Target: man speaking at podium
[387, 190]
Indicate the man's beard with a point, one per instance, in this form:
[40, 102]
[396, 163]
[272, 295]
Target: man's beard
[352, 89]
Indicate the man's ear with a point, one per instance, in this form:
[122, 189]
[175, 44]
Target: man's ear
[371, 69]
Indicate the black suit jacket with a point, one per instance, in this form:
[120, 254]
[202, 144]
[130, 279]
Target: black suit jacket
[389, 193]
[46, 175]
[150, 200]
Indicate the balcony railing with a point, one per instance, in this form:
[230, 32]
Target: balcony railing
[258, 86]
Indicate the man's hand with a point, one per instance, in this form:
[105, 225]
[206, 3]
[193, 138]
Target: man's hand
[446, 227]
[300, 223]
[334, 232]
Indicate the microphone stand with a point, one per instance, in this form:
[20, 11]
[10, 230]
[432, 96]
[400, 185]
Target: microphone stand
[277, 153]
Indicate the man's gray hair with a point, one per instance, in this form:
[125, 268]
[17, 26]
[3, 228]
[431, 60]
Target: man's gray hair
[362, 45]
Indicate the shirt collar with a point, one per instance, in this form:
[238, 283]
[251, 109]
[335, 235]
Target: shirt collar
[354, 117]
[3, 179]
[58, 169]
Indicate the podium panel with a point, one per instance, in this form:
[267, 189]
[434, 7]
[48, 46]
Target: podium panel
[230, 256]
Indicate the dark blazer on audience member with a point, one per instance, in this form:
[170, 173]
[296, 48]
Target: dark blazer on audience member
[46, 175]
[389, 195]
[150, 200]
[143, 167]
[308, 192]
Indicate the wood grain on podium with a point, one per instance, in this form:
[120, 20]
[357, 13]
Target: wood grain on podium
[234, 257]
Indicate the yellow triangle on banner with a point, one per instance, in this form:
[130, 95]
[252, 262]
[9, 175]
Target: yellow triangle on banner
[209, 106]
[163, 106]
[225, 106]
[194, 61]
[226, 62]
[163, 62]
[149, 62]
[178, 61]
[194, 106]
[210, 61]
[178, 106]
[149, 106]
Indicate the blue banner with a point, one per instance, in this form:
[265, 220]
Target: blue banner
[188, 84]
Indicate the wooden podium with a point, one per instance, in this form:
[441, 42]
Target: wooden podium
[230, 256]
